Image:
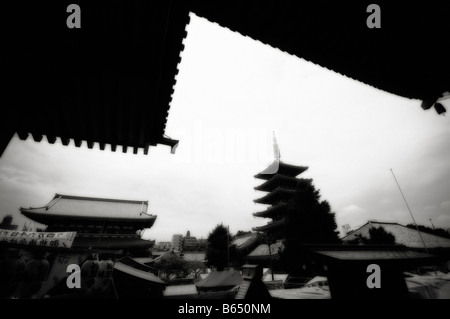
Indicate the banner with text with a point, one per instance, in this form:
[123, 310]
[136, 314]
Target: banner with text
[42, 239]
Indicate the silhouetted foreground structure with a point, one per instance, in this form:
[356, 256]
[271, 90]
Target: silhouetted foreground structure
[348, 272]
[111, 81]
[219, 281]
[252, 286]
[136, 281]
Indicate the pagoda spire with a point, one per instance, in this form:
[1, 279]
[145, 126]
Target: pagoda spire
[276, 149]
[273, 168]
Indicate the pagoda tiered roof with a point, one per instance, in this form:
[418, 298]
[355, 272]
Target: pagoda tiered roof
[270, 225]
[273, 211]
[66, 208]
[280, 168]
[278, 180]
[278, 195]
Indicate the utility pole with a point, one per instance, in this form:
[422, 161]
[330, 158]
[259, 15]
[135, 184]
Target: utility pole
[270, 261]
[228, 247]
[417, 228]
[269, 240]
[432, 224]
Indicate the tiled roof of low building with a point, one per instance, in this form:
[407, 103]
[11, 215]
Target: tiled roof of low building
[403, 235]
[90, 207]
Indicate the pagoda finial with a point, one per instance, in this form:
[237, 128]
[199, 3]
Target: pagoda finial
[276, 149]
[273, 168]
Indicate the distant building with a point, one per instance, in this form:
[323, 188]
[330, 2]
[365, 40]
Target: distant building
[261, 253]
[403, 235]
[100, 223]
[177, 242]
[202, 244]
[164, 245]
[194, 256]
[345, 229]
[244, 244]
[190, 242]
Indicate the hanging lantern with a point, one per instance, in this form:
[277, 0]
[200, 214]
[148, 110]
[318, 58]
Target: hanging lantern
[427, 104]
[104, 275]
[19, 273]
[11, 272]
[89, 272]
[5, 276]
[440, 109]
[105, 268]
[35, 274]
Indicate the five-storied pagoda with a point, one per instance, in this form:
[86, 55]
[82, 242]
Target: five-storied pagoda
[280, 184]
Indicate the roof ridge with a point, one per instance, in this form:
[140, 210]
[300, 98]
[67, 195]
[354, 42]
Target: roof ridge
[371, 221]
[241, 236]
[103, 199]
[430, 235]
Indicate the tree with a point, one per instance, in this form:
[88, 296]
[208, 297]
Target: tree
[218, 253]
[378, 236]
[196, 268]
[172, 265]
[269, 240]
[436, 231]
[202, 244]
[309, 221]
[7, 223]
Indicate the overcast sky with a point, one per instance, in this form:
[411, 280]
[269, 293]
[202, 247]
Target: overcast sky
[232, 92]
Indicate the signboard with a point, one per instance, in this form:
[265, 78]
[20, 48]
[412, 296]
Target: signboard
[41, 239]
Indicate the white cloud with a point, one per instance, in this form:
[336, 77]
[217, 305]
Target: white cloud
[352, 214]
[446, 204]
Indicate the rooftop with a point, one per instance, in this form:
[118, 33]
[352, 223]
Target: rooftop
[181, 291]
[126, 60]
[367, 255]
[281, 168]
[220, 279]
[194, 256]
[90, 208]
[272, 210]
[126, 63]
[270, 225]
[403, 235]
[244, 241]
[277, 180]
[276, 195]
[263, 250]
[138, 273]
[335, 36]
